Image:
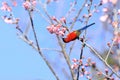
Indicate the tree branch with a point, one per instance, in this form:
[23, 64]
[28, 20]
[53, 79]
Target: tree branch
[99, 56]
[66, 57]
[43, 57]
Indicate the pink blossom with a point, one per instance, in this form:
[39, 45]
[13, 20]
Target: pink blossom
[115, 24]
[26, 5]
[74, 60]
[34, 2]
[86, 65]
[90, 14]
[74, 66]
[87, 73]
[50, 29]
[61, 33]
[63, 20]
[14, 3]
[99, 73]
[105, 1]
[81, 75]
[103, 18]
[106, 71]
[89, 60]
[105, 10]
[55, 29]
[58, 25]
[112, 1]
[54, 18]
[6, 7]
[64, 29]
[85, 16]
[88, 77]
[117, 37]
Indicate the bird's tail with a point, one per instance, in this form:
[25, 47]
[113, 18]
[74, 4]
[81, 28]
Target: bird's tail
[85, 27]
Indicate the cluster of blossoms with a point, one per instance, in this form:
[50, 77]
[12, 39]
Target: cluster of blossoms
[79, 62]
[107, 17]
[58, 28]
[84, 72]
[10, 19]
[112, 1]
[117, 36]
[116, 32]
[28, 4]
[6, 7]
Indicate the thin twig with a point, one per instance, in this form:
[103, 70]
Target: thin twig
[51, 49]
[83, 45]
[76, 17]
[87, 19]
[37, 10]
[44, 8]
[109, 50]
[63, 49]
[107, 76]
[43, 57]
[99, 56]
[115, 19]
[26, 40]
[72, 6]
[66, 57]
[81, 54]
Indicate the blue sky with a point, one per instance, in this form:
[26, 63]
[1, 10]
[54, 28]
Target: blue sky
[19, 61]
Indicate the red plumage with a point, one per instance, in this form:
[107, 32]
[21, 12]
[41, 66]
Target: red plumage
[70, 37]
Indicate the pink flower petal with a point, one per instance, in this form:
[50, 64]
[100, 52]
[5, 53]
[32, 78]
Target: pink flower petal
[14, 3]
[34, 2]
[6, 7]
[63, 20]
[103, 18]
[105, 10]
[26, 4]
[105, 1]
[49, 28]
[61, 33]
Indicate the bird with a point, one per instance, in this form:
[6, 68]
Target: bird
[75, 34]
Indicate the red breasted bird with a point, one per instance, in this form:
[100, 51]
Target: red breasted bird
[75, 34]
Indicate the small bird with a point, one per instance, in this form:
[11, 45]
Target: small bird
[75, 34]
